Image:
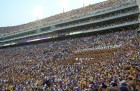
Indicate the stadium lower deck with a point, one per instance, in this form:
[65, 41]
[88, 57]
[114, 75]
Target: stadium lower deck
[88, 63]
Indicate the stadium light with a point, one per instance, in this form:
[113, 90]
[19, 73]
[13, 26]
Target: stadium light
[38, 12]
[64, 4]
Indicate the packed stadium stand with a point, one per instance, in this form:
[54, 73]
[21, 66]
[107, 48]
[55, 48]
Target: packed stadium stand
[94, 48]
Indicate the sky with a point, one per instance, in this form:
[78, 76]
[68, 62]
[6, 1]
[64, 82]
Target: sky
[17, 12]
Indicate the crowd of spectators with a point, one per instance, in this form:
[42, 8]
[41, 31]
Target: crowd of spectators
[71, 31]
[108, 61]
[66, 16]
[46, 66]
[98, 18]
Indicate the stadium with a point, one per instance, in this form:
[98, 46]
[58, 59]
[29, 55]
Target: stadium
[94, 48]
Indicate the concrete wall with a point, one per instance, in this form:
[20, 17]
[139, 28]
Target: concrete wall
[138, 2]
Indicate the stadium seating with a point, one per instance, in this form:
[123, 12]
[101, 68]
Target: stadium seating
[84, 62]
[28, 65]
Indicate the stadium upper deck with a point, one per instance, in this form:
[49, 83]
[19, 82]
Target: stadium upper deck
[106, 15]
